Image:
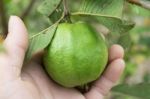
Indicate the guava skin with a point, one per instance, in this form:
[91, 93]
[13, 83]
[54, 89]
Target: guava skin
[76, 56]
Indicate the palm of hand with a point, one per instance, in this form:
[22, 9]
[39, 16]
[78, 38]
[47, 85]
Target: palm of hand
[38, 85]
[31, 82]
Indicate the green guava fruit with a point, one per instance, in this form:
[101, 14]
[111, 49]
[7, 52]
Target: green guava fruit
[76, 56]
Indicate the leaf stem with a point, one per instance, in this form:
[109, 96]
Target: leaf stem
[143, 3]
[47, 28]
[92, 14]
[66, 11]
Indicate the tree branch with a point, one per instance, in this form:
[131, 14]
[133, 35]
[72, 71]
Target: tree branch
[27, 10]
[143, 3]
[3, 18]
[66, 11]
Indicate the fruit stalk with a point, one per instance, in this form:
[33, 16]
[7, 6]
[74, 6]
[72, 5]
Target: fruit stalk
[67, 12]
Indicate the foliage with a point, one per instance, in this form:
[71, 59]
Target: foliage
[139, 90]
[117, 16]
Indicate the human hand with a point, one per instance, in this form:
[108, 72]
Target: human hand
[31, 81]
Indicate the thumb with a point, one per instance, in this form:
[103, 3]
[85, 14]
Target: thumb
[16, 45]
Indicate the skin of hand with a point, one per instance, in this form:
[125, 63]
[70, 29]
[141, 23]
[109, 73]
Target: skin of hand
[31, 82]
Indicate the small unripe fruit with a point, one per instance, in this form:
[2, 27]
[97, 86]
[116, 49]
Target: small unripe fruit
[76, 56]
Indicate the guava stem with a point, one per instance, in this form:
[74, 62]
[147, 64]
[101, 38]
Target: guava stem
[67, 12]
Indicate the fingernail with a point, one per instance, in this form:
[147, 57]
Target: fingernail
[15, 24]
[11, 23]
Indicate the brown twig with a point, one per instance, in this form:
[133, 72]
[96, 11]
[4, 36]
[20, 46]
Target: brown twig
[3, 18]
[27, 10]
[66, 11]
[142, 3]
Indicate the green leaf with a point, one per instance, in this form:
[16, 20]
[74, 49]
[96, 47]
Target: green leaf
[40, 41]
[48, 6]
[125, 41]
[107, 12]
[141, 90]
[57, 14]
[7, 1]
[116, 25]
[103, 7]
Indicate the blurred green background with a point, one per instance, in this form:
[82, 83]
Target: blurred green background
[137, 56]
